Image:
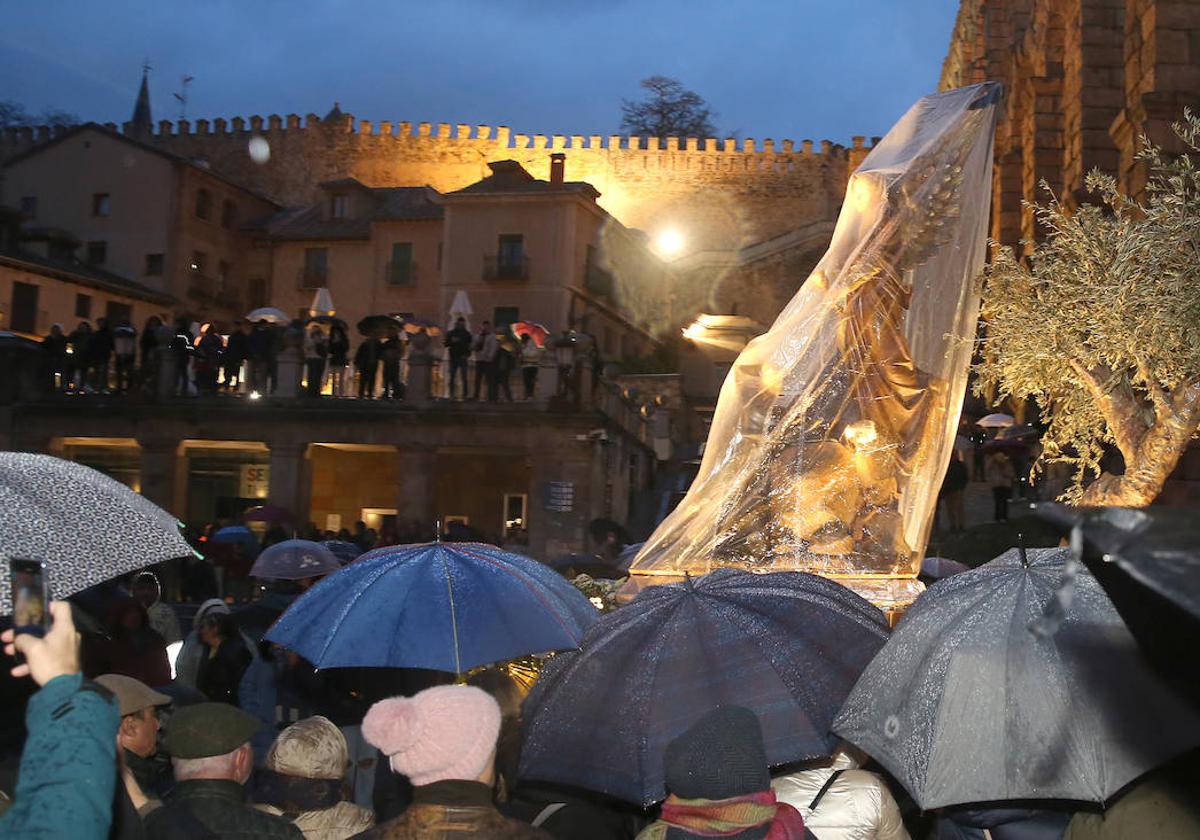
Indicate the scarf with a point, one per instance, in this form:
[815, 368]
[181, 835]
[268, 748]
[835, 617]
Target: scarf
[726, 817]
[294, 794]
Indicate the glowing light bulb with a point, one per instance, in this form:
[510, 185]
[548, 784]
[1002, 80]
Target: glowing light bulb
[669, 242]
[861, 434]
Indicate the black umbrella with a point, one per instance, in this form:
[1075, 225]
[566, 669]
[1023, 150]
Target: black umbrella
[375, 324]
[326, 321]
[1148, 561]
[1017, 680]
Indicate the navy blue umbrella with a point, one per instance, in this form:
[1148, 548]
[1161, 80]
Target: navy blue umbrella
[788, 645]
[345, 552]
[441, 606]
[237, 535]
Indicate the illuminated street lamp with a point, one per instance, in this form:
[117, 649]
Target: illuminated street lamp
[669, 242]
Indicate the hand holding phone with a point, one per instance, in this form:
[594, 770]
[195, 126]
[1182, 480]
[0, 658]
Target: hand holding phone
[30, 594]
[46, 658]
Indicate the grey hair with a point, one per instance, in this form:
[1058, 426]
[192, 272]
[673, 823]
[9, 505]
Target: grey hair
[210, 767]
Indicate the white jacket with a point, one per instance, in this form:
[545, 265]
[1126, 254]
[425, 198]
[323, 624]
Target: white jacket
[858, 806]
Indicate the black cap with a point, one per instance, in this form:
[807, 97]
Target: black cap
[208, 729]
[718, 757]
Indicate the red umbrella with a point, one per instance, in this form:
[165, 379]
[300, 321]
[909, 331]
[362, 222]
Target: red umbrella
[271, 514]
[534, 330]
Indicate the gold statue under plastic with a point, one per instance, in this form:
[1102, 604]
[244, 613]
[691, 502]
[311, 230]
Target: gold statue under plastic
[834, 428]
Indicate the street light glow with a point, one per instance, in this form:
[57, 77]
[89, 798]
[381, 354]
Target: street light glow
[669, 242]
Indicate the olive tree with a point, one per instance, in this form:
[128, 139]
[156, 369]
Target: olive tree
[1101, 326]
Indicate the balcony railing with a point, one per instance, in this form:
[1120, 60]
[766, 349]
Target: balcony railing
[598, 281]
[400, 273]
[501, 268]
[309, 278]
[201, 285]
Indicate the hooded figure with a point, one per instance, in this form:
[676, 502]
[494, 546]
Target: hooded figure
[302, 780]
[187, 664]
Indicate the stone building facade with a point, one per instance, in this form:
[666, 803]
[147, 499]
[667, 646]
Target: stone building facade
[1085, 80]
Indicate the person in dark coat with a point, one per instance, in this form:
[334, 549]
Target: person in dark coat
[212, 759]
[55, 347]
[502, 368]
[79, 342]
[339, 357]
[458, 349]
[954, 486]
[208, 359]
[100, 351]
[182, 346]
[391, 353]
[225, 661]
[147, 342]
[133, 648]
[237, 350]
[260, 353]
[366, 359]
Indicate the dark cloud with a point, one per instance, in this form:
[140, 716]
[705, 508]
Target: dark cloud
[769, 68]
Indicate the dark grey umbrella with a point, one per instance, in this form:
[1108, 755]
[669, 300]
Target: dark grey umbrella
[85, 526]
[977, 697]
[295, 560]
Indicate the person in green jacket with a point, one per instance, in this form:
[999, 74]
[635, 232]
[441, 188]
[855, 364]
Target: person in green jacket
[68, 772]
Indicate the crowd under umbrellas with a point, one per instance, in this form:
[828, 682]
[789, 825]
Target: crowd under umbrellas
[1016, 682]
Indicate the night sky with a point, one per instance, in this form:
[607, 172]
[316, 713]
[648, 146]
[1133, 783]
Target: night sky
[812, 69]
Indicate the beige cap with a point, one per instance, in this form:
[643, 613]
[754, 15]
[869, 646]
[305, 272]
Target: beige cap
[132, 695]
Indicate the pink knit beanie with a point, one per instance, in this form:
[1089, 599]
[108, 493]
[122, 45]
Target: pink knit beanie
[447, 732]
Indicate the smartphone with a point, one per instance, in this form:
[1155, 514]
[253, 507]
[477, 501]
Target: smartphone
[30, 596]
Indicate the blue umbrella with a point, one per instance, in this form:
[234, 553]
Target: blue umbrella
[788, 646]
[237, 535]
[294, 560]
[441, 606]
[345, 552]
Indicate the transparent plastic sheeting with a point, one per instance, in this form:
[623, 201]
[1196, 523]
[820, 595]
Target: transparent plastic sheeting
[833, 430]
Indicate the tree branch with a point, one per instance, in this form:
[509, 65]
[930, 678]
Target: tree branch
[1159, 396]
[1119, 411]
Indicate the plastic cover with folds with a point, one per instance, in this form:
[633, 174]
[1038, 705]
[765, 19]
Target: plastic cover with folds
[833, 430]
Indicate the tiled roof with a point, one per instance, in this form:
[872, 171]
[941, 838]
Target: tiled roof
[508, 176]
[387, 204]
[81, 272]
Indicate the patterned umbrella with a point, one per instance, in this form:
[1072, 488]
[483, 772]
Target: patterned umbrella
[85, 526]
[788, 646]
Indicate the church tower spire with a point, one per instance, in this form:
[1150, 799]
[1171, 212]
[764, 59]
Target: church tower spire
[141, 110]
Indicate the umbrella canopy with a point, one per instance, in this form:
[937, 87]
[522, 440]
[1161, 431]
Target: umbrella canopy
[441, 606]
[269, 314]
[295, 560]
[345, 552]
[236, 535]
[788, 646]
[326, 321]
[83, 525]
[971, 700]
[996, 421]
[322, 303]
[1021, 431]
[415, 325]
[942, 567]
[536, 332]
[374, 325]
[271, 514]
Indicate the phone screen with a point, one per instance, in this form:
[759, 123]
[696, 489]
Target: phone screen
[30, 597]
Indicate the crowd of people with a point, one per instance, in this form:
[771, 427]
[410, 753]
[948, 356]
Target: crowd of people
[204, 361]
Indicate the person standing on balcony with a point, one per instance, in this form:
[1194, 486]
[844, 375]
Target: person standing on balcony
[78, 342]
[366, 359]
[564, 359]
[485, 348]
[458, 348]
[125, 351]
[208, 359]
[392, 351]
[316, 348]
[339, 357]
[100, 352]
[237, 350]
[55, 347]
[531, 359]
[259, 349]
[502, 367]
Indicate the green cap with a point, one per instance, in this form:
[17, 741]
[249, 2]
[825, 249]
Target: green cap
[208, 729]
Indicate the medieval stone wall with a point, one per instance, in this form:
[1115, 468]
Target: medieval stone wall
[1084, 80]
[720, 194]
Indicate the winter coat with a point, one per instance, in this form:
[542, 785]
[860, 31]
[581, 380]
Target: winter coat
[451, 810]
[857, 806]
[343, 820]
[220, 675]
[67, 777]
[315, 346]
[486, 347]
[531, 354]
[237, 348]
[367, 354]
[339, 349]
[458, 343]
[214, 808]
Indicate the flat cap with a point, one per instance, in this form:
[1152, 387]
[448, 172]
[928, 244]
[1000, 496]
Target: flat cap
[132, 695]
[208, 729]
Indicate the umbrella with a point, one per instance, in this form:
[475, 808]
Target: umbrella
[295, 560]
[236, 535]
[415, 325]
[441, 606]
[942, 567]
[269, 314]
[375, 324]
[787, 645]
[322, 303]
[1017, 432]
[978, 698]
[345, 552]
[271, 514]
[326, 321]
[124, 329]
[996, 421]
[1148, 563]
[536, 332]
[85, 526]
